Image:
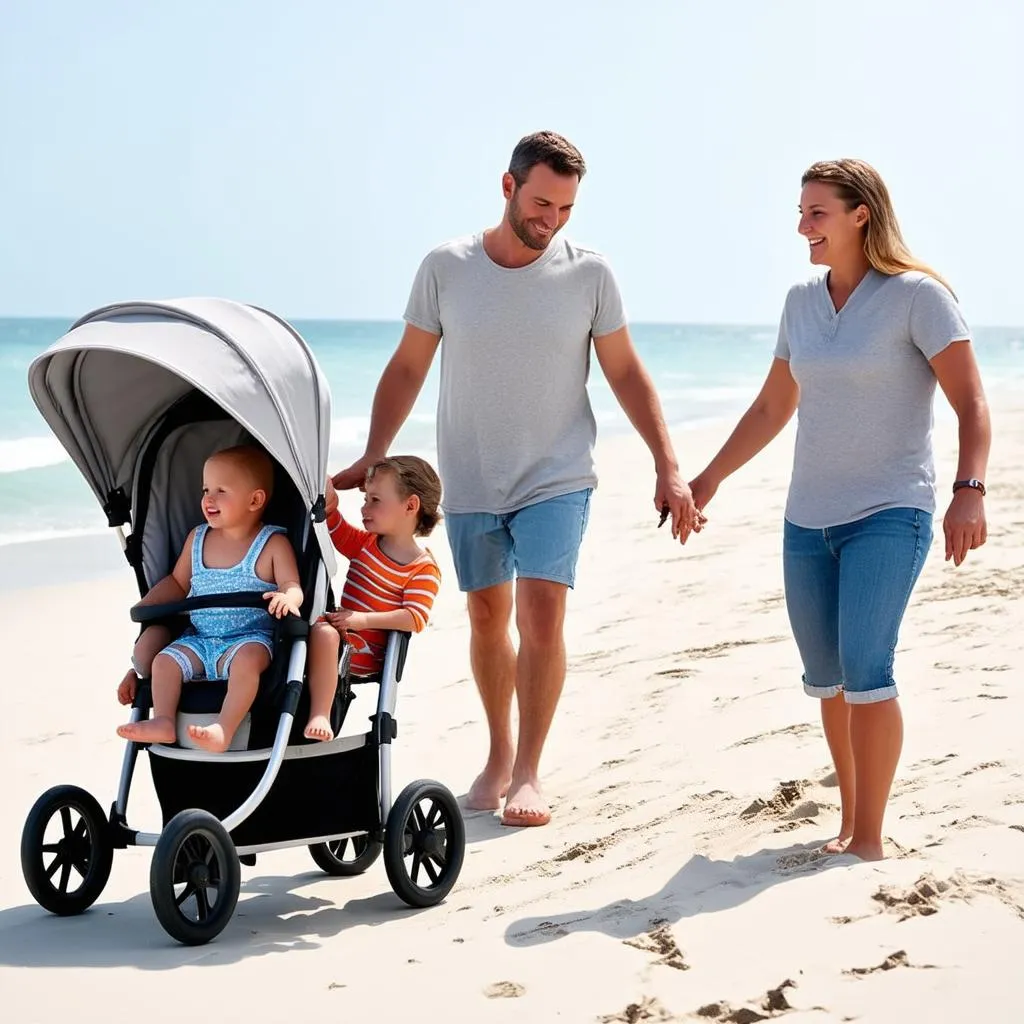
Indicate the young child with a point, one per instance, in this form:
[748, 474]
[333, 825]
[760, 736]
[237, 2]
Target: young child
[232, 552]
[391, 582]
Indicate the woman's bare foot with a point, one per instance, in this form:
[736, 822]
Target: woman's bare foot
[526, 806]
[318, 728]
[840, 843]
[866, 851]
[210, 737]
[152, 730]
[489, 789]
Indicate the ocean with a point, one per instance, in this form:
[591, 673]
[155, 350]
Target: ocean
[703, 373]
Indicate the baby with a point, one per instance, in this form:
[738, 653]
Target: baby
[391, 582]
[232, 552]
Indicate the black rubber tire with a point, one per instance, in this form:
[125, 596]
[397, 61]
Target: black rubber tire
[193, 856]
[86, 848]
[434, 839]
[330, 857]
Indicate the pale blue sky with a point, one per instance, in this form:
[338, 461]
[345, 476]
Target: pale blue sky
[305, 155]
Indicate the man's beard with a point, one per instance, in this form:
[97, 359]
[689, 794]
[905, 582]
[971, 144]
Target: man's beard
[519, 226]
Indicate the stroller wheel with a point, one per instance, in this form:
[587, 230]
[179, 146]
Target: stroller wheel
[194, 878]
[350, 856]
[424, 843]
[66, 863]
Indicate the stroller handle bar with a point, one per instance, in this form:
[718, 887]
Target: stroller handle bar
[153, 612]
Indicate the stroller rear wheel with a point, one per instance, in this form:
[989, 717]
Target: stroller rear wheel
[344, 857]
[424, 843]
[66, 867]
[194, 878]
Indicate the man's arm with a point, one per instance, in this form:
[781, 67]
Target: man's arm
[634, 390]
[399, 386]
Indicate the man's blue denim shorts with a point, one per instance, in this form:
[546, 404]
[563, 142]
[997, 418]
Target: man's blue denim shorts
[541, 541]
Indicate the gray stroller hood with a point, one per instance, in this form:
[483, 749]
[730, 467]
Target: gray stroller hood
[105, 386]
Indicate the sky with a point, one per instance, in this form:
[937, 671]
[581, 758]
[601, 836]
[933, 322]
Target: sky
[305, 156]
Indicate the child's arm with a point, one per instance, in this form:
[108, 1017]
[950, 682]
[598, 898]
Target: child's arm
[176, 584]
[401, 619]
[287, 599]
[347, 539]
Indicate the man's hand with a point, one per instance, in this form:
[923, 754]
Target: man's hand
[964, 524]
[345, 620]
[282, 604]
[671, 491]
[354, 475]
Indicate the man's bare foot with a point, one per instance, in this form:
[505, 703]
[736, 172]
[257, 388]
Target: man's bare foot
[210, 737]
[488, 789]
[866, 851]
[152, 730]
[526, 806]
[318, 728]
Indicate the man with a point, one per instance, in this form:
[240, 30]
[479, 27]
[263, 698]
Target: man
[518, 312]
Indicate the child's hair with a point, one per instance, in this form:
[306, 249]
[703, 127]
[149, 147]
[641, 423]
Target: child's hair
[414, 476]
[254, 462]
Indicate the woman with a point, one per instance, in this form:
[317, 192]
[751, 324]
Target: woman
[859, 352]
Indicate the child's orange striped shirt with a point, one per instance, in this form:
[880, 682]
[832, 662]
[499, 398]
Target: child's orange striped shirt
[377, 583]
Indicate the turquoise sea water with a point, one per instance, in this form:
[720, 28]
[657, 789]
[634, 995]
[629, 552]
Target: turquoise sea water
[701, 372]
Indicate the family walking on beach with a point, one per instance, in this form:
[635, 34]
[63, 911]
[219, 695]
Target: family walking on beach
[516, 312]
[859, 352]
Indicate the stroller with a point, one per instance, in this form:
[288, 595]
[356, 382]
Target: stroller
[140, 394]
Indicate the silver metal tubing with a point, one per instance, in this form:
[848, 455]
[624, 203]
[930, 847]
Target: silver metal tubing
[296, 667]
[131, 753]
[146, 838]
[290, 843]
[387, 697]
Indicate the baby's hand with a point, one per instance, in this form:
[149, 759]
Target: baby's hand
[281, 604]
[126, 690]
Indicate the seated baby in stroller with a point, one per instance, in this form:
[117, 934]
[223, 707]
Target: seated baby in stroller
[232, 552]
[391, 582]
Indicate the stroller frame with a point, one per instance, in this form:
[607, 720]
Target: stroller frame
[281, 791]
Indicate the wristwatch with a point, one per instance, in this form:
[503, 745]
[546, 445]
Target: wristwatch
[976, 484]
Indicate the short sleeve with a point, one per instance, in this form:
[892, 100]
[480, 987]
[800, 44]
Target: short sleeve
[423, 309]
[782, 345]
[419, 592]
[935, 318]
[609, 312]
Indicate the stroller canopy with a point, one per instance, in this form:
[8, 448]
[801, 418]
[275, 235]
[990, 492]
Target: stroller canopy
[105, 385]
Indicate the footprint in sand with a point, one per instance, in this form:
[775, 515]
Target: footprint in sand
[505, 990]
[772, 1004]
[785, 797]
[648, 1008]
[892, 961]
[926, 895]
[661, 941]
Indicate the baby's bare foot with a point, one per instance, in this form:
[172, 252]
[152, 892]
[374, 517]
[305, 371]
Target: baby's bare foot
[318, 728]
[153, 730]
[210, 737]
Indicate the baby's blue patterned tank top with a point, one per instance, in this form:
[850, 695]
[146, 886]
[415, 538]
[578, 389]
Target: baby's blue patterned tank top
[230, 622]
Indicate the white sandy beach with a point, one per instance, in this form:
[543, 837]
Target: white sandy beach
[690, 783]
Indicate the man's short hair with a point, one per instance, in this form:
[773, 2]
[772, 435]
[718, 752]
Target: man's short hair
[548, 148]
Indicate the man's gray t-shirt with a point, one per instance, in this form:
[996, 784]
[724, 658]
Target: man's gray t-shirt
[514, 422]
[864, 422]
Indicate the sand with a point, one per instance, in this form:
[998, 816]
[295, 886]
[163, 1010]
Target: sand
[690, 781]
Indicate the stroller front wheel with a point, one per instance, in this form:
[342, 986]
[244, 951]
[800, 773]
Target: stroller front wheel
[194, 878]
[424, 843]
[66, 868]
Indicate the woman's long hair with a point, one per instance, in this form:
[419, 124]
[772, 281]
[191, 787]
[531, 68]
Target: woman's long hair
[858, 183]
